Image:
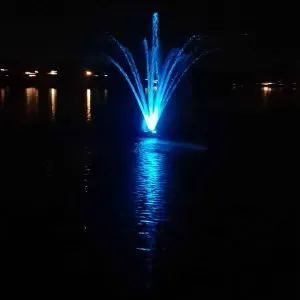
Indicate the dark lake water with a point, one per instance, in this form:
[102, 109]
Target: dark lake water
[208, 208]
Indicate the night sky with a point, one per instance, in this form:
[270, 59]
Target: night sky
[41, 30]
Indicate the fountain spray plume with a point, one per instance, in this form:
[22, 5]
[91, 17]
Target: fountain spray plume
[163, 76]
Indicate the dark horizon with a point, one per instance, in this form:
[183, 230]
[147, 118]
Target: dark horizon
[49, 32]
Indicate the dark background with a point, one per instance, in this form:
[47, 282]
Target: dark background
[234, 228]
[254, 36]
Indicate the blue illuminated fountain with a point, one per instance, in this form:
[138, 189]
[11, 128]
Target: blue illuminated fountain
[162, 75]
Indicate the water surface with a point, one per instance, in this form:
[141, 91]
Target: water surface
[211, 208]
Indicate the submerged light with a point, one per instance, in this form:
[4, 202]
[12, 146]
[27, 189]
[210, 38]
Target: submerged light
[151, 121]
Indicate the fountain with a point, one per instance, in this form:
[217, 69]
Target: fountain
[162, 76]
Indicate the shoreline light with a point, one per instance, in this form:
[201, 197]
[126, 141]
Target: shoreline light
[52, 72]
[88, 73]
[267, 83]
[30, 74]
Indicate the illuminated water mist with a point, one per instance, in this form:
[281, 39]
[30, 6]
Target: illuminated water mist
[162, 75]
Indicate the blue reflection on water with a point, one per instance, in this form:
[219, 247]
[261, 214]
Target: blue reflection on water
[151, 180]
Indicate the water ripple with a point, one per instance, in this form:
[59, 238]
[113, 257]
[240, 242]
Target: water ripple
[151, 178]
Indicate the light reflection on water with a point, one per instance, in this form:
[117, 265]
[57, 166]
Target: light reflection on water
[151, 180]
[53, 100]
[86, 172]
[88, 105]
[266, 93]
[152, 184]
[2, 97]
[32, 99]
[105, 95]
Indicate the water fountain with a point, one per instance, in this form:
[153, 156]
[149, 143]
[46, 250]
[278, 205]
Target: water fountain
[162, 75]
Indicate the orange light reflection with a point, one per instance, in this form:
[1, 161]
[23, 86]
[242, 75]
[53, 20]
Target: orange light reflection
[88, 105]
[53, 99]
[32, 98]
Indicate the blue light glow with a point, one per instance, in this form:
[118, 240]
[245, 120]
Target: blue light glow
[151, 121]
[162, 76]
[151, 181]
[152, 191]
